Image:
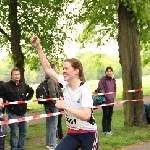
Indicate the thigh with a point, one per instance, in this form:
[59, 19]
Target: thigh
[68, 143]
[111, 110]
[105, 110]
[22, 126]
[90, 141]
[13, 126]
[2, 142]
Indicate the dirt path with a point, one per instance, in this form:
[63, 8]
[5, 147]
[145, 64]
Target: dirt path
[116, 107]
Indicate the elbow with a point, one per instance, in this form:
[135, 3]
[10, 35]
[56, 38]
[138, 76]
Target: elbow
[87, 117]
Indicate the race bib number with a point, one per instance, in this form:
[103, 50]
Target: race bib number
[72, 122]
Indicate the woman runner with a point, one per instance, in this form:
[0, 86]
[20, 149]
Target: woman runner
[77, 103]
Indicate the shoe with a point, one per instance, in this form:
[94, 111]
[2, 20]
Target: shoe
[47, 147]
[51, 148]
[111, 132]
[108, 133]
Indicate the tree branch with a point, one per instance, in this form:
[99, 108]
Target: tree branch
[5, 34]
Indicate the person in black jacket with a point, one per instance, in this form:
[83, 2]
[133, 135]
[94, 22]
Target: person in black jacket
[12, 91]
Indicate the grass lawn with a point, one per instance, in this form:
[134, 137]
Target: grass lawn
[123, 136]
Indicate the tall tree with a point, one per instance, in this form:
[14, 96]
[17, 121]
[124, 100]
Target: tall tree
[123, 20]
[21, 19]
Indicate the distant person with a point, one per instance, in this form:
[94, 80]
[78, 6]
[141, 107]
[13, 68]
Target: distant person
[107, 84]
[77, 103]
[59, 125]
[51, 122]
[12, 91]
[3, 127]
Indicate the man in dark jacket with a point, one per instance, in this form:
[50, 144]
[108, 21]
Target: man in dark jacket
[107, 84]
[12, 91]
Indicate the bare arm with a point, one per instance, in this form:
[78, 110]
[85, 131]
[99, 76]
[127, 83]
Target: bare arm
[82, 114]
[46, 65]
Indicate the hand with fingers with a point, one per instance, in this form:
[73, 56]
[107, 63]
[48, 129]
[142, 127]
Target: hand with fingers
[60, 103]
[35, 41]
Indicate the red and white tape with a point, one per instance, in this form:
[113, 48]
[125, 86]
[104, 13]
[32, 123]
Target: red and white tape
[136, 90]
[30, 118]
[54, 99]
[118, 102]
[29, 101]
[55, 114]
[125, 91]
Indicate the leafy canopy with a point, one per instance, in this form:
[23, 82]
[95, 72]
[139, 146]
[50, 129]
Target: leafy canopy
[46, 19]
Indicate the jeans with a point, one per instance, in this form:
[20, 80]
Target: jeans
[51, 128]
[74, 141]
[2, 143]
[22, 126]
[106, 120]
[59, 127]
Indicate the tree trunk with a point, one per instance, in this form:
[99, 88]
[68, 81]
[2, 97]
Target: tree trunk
[17, 54]
[129, 53]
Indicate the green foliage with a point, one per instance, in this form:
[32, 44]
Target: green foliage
[44, 18]
[95, 64]
[100, 18]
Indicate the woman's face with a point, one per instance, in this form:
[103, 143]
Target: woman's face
[109, 73]
[69, 72]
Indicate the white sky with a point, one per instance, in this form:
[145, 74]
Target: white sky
[110, 49]
[72, 48]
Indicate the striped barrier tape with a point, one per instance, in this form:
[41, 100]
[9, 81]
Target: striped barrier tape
[10, 121]
[29, 101]
[55, 114]
[51, 99]
[125, 91]
[136, 90]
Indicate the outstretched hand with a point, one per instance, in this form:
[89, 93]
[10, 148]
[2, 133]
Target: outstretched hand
[35, 41]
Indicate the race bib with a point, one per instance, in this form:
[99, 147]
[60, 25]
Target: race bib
[72, 122]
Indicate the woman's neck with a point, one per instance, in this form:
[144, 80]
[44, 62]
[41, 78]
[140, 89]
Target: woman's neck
[74, 84]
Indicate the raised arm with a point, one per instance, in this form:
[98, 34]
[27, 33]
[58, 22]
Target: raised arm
[46, 65]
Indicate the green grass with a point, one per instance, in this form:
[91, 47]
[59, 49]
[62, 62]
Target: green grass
[34, 106]
[123, 136]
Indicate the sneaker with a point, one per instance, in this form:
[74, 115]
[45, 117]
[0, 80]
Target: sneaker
[108, 133]
[111, 132]
[51, 148]
[47, 147]
[105, 133]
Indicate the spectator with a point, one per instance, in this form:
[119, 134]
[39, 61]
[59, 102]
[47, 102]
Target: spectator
[3, 127]
[107, 84]
[51, 122]
[12, 91]
[59, 125]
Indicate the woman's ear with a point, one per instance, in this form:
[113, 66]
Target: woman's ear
[77, 71]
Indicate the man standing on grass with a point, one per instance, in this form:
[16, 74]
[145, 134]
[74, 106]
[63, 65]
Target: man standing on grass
[51, 122]
[107, 84]
[12, 91]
